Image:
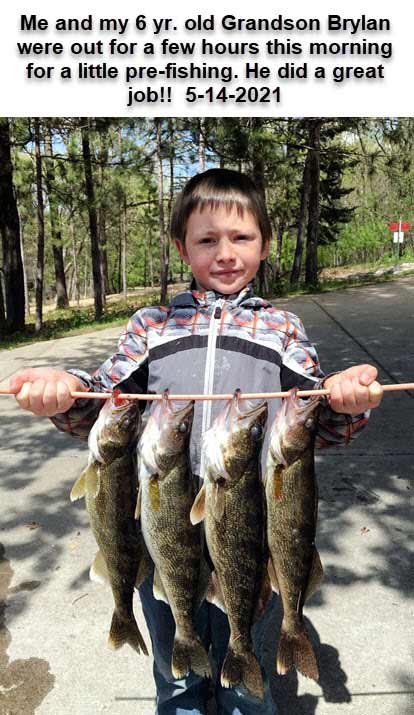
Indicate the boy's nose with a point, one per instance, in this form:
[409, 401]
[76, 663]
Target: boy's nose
[225, 251]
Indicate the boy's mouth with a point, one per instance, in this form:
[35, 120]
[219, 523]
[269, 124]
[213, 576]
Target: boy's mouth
[232, 272]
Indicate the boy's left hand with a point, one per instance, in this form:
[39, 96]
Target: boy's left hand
[354, 390]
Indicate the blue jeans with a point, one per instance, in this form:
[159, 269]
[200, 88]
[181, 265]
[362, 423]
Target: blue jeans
[189, 695]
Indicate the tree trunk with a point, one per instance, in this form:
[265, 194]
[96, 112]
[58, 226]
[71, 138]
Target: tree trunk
[26, 290]
[101, 217]
[311, 273]
[124, 227]
[304, 204]
[150, 261]
[93, 222]
[103, 160]
[258, 168]
[123, 230]
[85, 281]
[163, 236]
[40, 262]
[10, 235]
[202, 145]
[120, 247]
[75, 264]
[171, 192]
[62, 300]
[279, 245]
[2, 308]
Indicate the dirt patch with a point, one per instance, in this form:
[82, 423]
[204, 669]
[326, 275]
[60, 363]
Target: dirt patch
[24, 683]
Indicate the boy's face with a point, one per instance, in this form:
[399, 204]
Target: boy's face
[223, 248]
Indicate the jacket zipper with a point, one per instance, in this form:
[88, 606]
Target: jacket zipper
[209, 372]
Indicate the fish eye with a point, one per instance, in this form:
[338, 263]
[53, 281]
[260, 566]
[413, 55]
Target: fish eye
[309, 423]
[256, 432]
[126, 421]
[183, 427]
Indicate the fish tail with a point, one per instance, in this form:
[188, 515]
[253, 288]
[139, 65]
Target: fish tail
[189, 654]
[296, 651]
[242, 668]
[125, 631]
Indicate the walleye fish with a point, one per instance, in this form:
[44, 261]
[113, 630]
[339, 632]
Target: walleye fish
[110, 486]
[231, 502]
[167, 492]
[291, 494]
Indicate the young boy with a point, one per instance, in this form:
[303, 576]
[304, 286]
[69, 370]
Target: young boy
[213, 338]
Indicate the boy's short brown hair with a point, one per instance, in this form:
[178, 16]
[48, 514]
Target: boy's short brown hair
[215, 188]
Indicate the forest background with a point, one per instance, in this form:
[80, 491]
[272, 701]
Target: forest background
[85, 206]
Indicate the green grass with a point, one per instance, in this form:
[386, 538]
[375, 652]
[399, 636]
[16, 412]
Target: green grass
[284, 290]
[74, 321]
[333, 285]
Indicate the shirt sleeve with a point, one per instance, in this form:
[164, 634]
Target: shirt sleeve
[126, 369]
[301, 368]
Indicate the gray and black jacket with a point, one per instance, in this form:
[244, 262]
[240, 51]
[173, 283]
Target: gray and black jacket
[208, 343]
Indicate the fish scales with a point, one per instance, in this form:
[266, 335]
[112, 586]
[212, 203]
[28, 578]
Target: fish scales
[232, 504]
[110, 487]
[167, 491]
[239, 536]
[176, 542]
[292, 499]
[112, 519]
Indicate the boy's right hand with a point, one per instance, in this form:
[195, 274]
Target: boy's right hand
[45, 391]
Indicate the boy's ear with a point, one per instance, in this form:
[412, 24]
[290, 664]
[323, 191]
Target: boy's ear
[265, 250]
[180, 246]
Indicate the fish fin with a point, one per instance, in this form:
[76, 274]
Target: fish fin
[125, 631]
[264, 596]
[316, 575]
[273, 577]
[197, 512]
[79, 488]
[145, 565]
[158, 589]
[154, 492]
[187, 655]
[278, 473]
[214, 593]
[203, 581]
[242, 668]
[98, 571]
[93, 479]
[296, 651]
[138, 504]
[218, 502]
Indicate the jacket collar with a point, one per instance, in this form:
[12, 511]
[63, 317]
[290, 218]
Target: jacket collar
[194, 297]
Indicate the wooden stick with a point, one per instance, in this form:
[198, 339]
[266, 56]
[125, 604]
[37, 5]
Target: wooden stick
[227, 396]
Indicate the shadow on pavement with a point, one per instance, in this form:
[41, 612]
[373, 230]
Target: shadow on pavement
[37, 522]
[24, 684]
[332, 682]
[365, 495]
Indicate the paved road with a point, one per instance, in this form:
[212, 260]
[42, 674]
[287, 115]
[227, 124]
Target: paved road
[53, 657]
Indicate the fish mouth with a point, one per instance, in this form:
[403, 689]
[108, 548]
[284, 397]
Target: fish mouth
[119, 405]
[182, 412]
[295, 409]
[163, 418]
[240, 409]
[239, 414]
[164, 409]
[165, 404]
